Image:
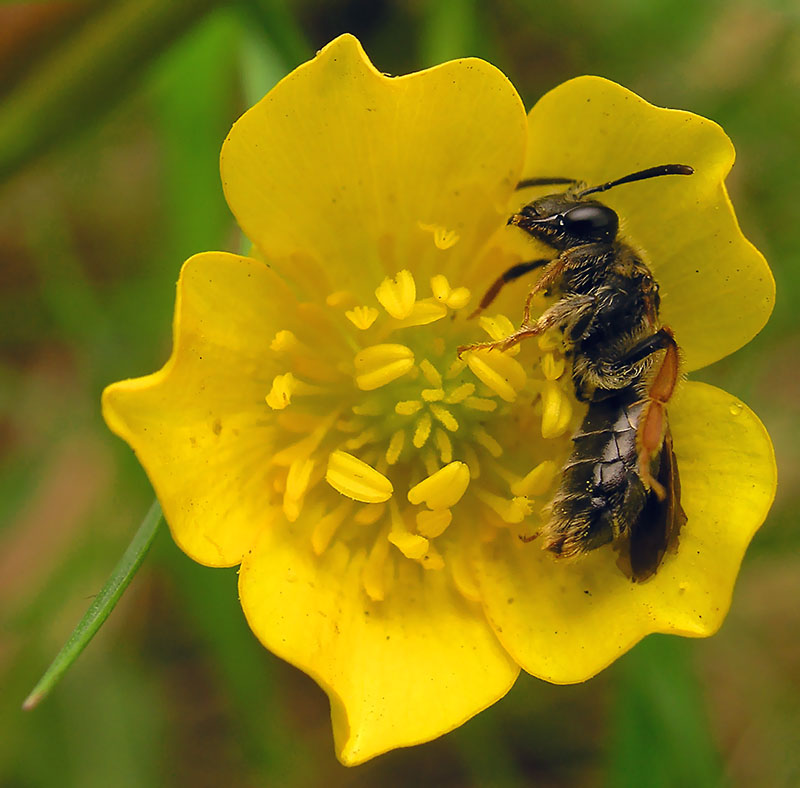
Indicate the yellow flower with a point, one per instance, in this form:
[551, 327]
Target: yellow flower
[315, 424]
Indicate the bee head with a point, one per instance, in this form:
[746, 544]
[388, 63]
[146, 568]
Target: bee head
[561, 221]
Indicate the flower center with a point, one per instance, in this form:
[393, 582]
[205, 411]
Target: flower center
[408, 450]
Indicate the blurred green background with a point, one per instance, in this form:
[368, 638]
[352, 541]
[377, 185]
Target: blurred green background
[111, 119]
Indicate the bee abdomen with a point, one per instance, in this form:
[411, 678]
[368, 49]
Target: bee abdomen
[601, 491]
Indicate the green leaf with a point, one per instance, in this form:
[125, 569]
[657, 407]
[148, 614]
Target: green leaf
[100, 608]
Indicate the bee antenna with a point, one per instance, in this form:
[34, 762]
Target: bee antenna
[650, 172]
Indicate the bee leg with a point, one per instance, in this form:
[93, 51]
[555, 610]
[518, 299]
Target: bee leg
[515, 272]
[653, 424]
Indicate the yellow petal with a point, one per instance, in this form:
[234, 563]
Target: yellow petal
[391, 684]
[565, 621]
[336, 167]
[357, 480]
[717, 290]
[204, 442]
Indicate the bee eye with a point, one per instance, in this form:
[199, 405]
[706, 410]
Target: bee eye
[591, 222]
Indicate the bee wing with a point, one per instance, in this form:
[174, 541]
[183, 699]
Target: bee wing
[658, 526]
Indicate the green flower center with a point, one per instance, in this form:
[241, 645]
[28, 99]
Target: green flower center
[407, 448]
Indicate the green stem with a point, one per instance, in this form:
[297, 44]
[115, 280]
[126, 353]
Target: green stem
[100, 608]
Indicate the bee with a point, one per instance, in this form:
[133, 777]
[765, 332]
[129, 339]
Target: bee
[620, 483]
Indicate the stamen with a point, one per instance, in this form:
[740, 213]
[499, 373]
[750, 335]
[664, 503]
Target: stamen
[397, 296]
[456, 368]
[381, 364]
[444, 445]
[362, 316]
[480, 403]
[538, 481]
[297, 421]
[340, 298]
[460, 393]
[472, 460]
[432, 559]
[422, 429]
[488, 442]
[552, 367]
[326, 527]
[357, 480]
[431, 373]
[510, 511]
[432, 524]
[445, 417]
[370, 435]
[432, 395]
[501, 373]
[284, 340]
[423, 313]
[551, 340]
[442, 237]
[396, 444]
[440, 288]
[556, 411]
[369, 513]
[410, 545]
[407, 407]
[280, 395]
[443, 489]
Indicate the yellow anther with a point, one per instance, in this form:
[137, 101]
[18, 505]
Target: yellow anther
[432, 524]
[459, 298]
[374, 574]
[369, 407]
[326, 527]
[432, 559]
[362, 439]
[480, 403]
[497, 327]
[442, 237]
[396, 444]
[488, 442]
[431, 373]
[340, 298]
[397, 296]
[423, 313]
[381, 364]
[550, 340]
[514, 510]
[350, 425]
[362, 316]
[444, 445]
[357, 480]
[553, 366]
[501, 373]
[422, 429]
[283, 341]
[440, 288]
[443, 489]
[280, 395]
[538, 481]
[407, 407]
[456, 368]
[445, 417]
[556, 411]
[460, 393]
[369, 513]
[410, 545]
[432, 395]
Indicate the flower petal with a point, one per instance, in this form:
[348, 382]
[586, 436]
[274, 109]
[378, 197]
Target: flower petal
[398, 672]
[339, 167]
[717, 290]
[200, 426]
[565, 622]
